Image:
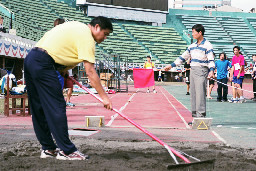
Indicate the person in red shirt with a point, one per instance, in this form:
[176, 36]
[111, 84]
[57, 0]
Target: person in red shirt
[237, 75]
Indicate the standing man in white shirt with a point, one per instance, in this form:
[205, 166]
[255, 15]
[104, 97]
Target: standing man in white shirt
[202, 60]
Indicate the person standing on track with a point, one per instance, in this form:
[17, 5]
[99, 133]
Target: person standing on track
[237, 75]
[68, 83]
[61, 48]
[149, 65]
[202, 60]
[222, 66]
[253, 68]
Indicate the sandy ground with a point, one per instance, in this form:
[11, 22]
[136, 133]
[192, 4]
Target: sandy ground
[126, 149]
[19, 150]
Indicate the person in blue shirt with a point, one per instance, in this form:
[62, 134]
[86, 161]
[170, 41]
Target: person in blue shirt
[222, 71]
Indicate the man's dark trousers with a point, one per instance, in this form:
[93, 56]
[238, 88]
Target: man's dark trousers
[254, 88]
[224, 87]
[47, 103]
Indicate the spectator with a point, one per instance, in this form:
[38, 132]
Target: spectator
[211, 85]
[61, 48]
[68, 83]
[177, 78]
[2, 29]
[221, 66]
[58, 21]
[149, 65]
[160, 76]
[202, 59]
[180, 77]
[253, 67]
[237, 76]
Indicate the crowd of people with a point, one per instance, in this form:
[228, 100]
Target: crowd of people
[234, 71]
[201, 67]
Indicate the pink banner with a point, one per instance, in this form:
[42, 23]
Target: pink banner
[143, 78]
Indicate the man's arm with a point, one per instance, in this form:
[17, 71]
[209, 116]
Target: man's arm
[144, 66]
[180, 60]
[241, 69]
[95, 83]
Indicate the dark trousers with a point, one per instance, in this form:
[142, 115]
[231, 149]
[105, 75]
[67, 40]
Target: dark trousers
[254, 88]
[222, 87]
[47, 103]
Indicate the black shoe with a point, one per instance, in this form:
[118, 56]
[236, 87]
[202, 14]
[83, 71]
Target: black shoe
[218, 100]
[188, 93]
[190, 123]
[194, 114]
[204, 115]
[225, 100]
[201, 115]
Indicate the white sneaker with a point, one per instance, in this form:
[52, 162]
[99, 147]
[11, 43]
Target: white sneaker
[236, 101]
[73, 156]
[148, 91]
[242, 100]
[232, 100]
[154, 91]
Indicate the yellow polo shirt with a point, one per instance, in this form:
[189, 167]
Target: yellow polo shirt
[69, 44]
[149, 65]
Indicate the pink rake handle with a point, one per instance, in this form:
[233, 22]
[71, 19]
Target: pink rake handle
[135, 124]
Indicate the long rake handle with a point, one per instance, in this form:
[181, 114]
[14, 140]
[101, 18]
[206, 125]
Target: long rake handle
[135, 124]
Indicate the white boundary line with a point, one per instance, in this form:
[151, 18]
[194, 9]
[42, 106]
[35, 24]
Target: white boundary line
[220, 138]
[113, 117]
[214, 133]
[186, 124]
[178, 101]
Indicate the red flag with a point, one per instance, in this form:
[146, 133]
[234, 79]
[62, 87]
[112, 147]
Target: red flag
[143, 78]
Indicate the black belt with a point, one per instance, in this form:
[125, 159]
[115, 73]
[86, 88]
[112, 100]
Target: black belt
[40, 49]
[57, 67]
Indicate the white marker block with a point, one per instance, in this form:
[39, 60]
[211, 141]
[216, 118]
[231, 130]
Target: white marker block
[95, 121]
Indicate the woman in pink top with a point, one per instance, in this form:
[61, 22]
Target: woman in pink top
[237, 75]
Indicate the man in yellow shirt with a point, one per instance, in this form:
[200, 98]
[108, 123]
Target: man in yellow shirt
[61, 48]
[149, 65]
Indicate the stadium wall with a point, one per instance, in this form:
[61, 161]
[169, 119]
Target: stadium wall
[71, 3]
[211, 13]
[6, 11]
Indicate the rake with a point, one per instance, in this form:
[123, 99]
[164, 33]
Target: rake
[188, 164]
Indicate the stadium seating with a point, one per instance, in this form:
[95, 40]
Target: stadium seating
[211, 25]
[237, 29]
[252, 22]
[122, 44]
[165, 43]
[224, 32]
[135, 41]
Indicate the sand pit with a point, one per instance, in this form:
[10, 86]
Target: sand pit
[22, 153]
